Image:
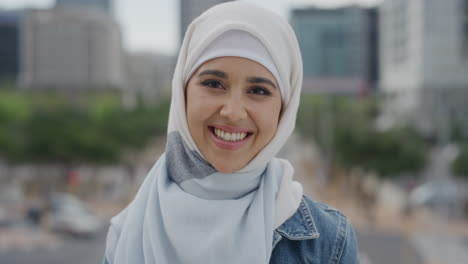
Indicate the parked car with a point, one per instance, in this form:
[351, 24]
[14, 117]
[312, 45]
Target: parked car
[4, 220]
[446, 196]
[68, 214]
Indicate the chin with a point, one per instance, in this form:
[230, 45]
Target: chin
[226, 168]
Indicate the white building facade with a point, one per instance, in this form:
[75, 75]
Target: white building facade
[149, 76]
[191, 9]
[106, 6]
[71, 49]
[424, 63]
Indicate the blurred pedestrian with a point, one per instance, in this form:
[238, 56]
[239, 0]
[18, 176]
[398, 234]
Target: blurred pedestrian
[34, 214]
[73, 182]
[218, 194]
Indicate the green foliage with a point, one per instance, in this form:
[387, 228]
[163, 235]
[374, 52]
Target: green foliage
[45, 127]
[7, 83]
[456, 132]
[68, 136]
[460, 165]
[344, 128]
[13, 107]
[388, 152]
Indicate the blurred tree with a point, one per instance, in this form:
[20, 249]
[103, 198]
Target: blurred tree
[460, 165]
[44, 127]
[355, 141]
[7, 83]
[389, 153]
[456, 131]
[14, 112]
[68, 136]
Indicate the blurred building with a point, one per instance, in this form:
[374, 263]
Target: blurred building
[165, 65]
[190, 9]
[103, 5]
[9, 43]
[339, 48]
[424, 63]
[374, 47]
[71, 49]
[149, 76]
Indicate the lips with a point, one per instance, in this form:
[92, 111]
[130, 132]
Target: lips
[229, 138]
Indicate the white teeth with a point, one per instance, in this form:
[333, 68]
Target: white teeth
[229, 136]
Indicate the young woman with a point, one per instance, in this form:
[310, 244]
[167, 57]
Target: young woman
[218, 195]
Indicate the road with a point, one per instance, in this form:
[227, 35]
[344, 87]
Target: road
[442, 248]
[72, 251]
[376, 247]
[386, 248]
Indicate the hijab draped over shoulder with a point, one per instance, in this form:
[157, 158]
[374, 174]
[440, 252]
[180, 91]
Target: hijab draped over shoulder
[188, 212]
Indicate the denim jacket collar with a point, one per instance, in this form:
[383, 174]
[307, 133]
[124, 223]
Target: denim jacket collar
[300, 226]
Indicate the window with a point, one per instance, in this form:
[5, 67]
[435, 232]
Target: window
[399, 30]
[333, 47]
[464, 19]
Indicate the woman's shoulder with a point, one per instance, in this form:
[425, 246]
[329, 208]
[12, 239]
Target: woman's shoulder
[313, 219]
[316, 233]
[324, 216]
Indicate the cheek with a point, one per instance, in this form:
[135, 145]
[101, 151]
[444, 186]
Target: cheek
[272, 127]
[191, 108]
[268, 120]
[197, 109]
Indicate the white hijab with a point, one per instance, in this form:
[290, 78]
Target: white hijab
[186, 211]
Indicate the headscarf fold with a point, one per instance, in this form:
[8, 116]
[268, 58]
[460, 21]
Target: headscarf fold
[185, 210]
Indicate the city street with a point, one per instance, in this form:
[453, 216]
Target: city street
[367, 100]
[71, 251]
[376, 247]
[440, 248]
[386, 248]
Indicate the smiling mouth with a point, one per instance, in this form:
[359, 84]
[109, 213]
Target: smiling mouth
[230, 136]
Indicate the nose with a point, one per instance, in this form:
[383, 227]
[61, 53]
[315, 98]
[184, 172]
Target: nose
[233, 108]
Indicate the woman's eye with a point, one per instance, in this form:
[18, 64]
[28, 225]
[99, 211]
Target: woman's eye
[259, 91]
[212, 83]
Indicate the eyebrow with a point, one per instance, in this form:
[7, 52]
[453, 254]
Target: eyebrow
[217, 73]
[224, 75]
[261, 80]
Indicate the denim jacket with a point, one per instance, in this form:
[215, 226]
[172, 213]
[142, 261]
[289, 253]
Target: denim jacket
[315, 234]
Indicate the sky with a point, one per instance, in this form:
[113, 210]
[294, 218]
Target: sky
[153, 25]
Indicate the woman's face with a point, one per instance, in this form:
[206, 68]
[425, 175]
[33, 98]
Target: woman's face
[233, 108]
